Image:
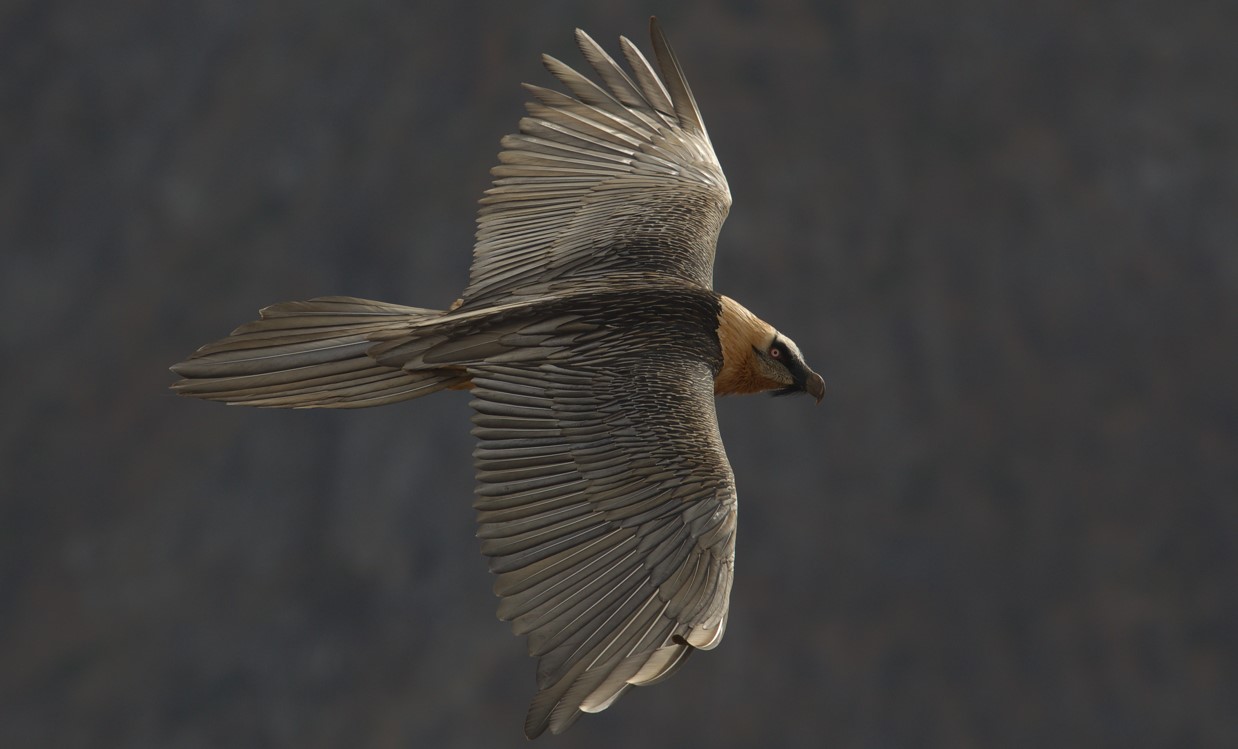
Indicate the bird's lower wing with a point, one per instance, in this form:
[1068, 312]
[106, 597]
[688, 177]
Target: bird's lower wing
[607, 507]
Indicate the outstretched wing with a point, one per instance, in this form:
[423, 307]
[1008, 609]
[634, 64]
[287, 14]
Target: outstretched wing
[617, 177]
[607, 507]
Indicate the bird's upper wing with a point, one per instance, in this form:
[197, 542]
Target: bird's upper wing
[607, 507]
[617, 177]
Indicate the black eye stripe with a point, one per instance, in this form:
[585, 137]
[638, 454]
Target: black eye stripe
[777, 351]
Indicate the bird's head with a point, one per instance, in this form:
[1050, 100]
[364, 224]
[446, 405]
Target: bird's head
[757, 358]
[780, 361]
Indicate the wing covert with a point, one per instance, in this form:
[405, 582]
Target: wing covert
[616, 177]
[607, 508]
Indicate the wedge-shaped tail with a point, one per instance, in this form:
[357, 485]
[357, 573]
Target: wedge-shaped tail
[313, 354]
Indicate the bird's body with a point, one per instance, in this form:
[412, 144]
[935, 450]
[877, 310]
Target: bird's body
[593, 346]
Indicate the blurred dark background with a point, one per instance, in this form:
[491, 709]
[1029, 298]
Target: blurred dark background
[1006, 233]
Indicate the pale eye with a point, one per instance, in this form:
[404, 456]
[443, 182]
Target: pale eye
[775, 353]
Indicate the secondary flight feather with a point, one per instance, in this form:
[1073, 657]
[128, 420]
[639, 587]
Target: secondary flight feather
[593, 345]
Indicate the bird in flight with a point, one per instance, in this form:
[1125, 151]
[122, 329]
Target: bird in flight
[593, 345]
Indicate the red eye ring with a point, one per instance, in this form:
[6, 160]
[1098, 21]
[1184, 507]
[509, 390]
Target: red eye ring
[775, 352]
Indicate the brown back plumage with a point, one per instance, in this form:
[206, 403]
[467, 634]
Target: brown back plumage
[593, 346]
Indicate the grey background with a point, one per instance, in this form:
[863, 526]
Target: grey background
[1003, 232]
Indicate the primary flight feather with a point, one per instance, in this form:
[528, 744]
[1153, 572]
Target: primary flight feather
[593, 345]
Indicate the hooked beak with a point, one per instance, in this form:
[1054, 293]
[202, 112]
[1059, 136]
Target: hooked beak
[814, 385]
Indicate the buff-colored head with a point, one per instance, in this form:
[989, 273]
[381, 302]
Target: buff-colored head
[756, 358]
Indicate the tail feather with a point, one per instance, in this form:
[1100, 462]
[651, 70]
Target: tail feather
[312, 354]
